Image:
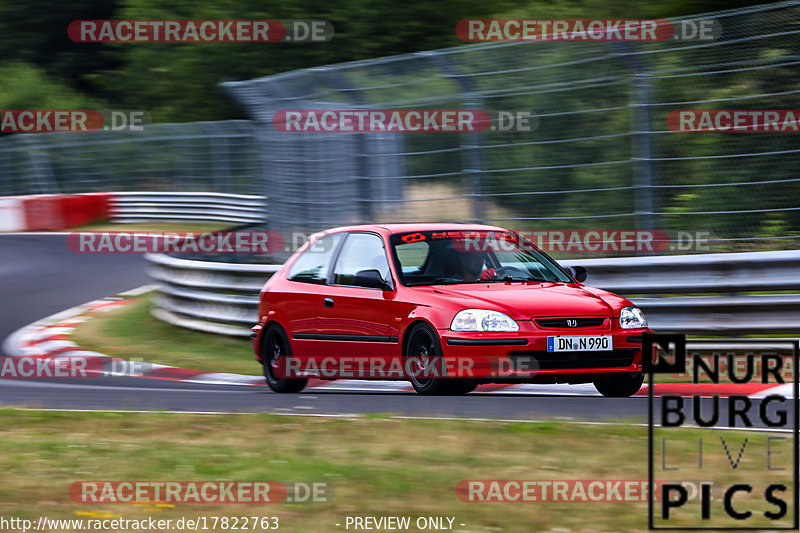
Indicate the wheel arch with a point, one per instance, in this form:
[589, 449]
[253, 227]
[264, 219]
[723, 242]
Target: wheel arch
[410, 329]
[267, 325]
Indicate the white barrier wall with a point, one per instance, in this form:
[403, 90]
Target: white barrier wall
[12, 214]
[59, 212]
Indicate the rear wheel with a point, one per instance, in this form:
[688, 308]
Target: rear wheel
[620, 385]
[275, 346]
[426, 352]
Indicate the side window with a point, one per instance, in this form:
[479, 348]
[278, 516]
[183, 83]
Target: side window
[361, 251]
[312, 265]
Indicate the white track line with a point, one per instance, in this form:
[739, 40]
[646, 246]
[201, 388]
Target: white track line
[138, 291]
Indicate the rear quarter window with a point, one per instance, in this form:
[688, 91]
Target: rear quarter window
[313, 264]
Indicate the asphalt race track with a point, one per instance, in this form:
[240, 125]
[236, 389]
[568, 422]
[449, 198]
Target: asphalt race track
[39, 276]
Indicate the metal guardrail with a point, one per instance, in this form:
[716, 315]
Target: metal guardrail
[223, 297]
[207, 296]
[732, 274]
[672, 274]
[187, 206]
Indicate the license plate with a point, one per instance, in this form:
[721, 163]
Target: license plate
[582, 343]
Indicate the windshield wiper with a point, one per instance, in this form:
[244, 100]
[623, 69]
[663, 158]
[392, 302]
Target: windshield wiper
[510, 279]
[435, 281]
[452, 281]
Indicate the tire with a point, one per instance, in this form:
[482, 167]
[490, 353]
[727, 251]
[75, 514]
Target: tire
[423, 342]
[276, 345]
[459, 387]
[620, 385]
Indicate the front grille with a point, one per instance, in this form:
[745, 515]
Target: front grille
[580, 322]
[541, 360]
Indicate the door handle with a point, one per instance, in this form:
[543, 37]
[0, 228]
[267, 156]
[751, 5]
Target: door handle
[328, 302]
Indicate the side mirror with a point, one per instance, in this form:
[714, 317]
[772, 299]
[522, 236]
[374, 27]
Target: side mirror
[372, 279]
[579, 273]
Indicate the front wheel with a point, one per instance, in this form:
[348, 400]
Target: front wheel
[275, 346]
[425, 350]
[620, 385]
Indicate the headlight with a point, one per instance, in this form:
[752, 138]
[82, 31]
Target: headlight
[632, 318]
[483, 320]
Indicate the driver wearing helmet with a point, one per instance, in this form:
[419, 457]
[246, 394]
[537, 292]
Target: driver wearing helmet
[472, 264]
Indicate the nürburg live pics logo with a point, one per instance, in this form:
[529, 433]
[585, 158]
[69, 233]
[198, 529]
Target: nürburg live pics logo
[736, 429]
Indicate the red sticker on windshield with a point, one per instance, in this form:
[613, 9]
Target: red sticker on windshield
[413, 237]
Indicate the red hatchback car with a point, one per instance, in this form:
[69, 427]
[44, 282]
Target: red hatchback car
[445, 293]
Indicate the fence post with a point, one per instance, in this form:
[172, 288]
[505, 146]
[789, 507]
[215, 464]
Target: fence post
[7, 185]
[641, 152]
[363, 179]
[220, 155]
[261, 133]
[471, 157]
[40, 164]
[472, 163]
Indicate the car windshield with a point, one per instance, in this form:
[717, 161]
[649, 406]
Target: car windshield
[459, 257]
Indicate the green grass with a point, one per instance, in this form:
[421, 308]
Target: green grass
[131, 332]
[377, 465]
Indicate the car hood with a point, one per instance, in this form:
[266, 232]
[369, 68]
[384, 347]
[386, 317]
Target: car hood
[522, 301]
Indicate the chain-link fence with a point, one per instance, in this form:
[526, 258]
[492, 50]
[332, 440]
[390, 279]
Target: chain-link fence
[601, 157]
[195, 156]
